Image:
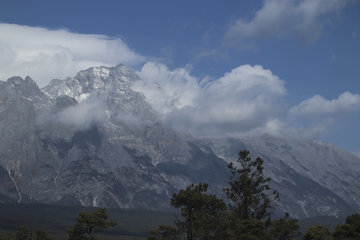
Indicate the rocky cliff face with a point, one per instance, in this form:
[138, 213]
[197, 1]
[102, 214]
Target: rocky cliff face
[313, 178]
[92, 140]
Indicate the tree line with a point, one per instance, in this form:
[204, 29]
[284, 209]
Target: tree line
[204, 216]
[247, 216]
[87, 225]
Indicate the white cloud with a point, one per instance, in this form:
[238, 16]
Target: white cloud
[317, 116]
[318, 108]
[304, 19]
[82, 116]
[167, 90]
[245, 94]
[46, 54]
[245, 99]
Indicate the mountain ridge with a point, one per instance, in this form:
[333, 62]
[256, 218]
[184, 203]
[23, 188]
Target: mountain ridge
[92, 140]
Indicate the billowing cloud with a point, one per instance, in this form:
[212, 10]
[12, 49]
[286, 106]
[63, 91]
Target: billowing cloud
[317, 116]
[246, 95]
[304, 19]
[318, 108]
[167, 90]
[244, 99]
[46, 54]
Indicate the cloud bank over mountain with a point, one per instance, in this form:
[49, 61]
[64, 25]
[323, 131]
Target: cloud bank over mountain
[45, 54]
[247, 101]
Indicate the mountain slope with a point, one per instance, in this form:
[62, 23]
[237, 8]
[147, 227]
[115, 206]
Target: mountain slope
[320, 177]
[92, 140]
[95, 143]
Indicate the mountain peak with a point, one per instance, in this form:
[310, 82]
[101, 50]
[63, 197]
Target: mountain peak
[93, 72]
[15, 80]
[94, 130]
[120, 72]
[27, 87]
[92, 81]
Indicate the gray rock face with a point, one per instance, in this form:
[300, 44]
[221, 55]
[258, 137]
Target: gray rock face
[91, 140]
[313, 177]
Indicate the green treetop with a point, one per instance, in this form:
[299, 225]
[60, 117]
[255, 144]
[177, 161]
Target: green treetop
[89, 224]
[319, 232]
[201, 215]
[349, 230]
[204, 216]
[249, 189]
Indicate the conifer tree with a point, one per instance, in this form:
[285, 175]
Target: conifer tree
[249, 190]
[319, 232]
[349, 230]
[202, 215]
[24, 233]
[205, 216]
[88, 224]
[284, 228]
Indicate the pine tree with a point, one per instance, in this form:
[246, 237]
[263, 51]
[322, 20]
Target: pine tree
[201, 215]
[24, 233]
[319, 232]
[249, 190]
[205, 216]
[349, 230]
[88, 224]
[284, 228]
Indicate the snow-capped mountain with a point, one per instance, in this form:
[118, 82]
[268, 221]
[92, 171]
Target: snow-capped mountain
[92, 140]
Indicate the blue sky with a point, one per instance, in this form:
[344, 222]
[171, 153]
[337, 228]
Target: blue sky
[227, 68]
